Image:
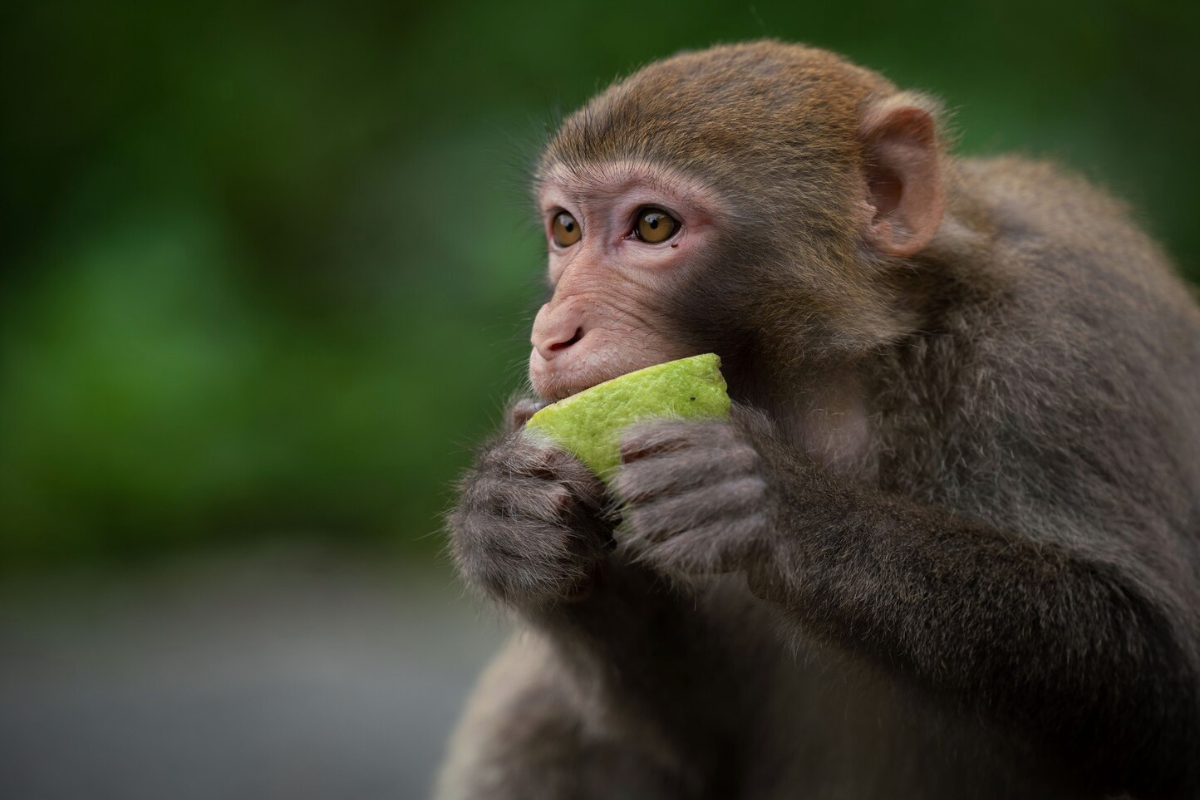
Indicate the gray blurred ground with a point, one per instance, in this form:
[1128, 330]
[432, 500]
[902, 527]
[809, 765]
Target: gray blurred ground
[273, 675]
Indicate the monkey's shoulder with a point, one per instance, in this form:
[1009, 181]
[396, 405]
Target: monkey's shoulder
[1045, 215]
[1037, 183]
[1079, 267]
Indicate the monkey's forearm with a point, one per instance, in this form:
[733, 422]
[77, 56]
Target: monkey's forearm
[633, 643]
[1065, 647]
[628, 626]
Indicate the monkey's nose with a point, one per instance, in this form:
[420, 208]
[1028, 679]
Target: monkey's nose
[551, 346]
[559, 326]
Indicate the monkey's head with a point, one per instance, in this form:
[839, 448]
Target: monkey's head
[757, 201]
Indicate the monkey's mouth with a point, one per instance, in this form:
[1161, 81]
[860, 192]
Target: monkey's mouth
[556, 391]
[551, 391]
[552, 386]
[555, 381]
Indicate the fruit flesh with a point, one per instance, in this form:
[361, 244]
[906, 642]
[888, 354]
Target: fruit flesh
[589, 424]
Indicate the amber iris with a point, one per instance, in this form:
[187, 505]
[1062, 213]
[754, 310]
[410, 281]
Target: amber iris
[566, 230]
[655, 225]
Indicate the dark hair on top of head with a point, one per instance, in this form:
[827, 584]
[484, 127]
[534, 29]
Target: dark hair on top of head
[763, 104]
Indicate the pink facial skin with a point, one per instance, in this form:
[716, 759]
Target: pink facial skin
[602, 320]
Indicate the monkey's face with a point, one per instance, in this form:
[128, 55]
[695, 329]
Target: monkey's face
[622, 237]
[763, 210]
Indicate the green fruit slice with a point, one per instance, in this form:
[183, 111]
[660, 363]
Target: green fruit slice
[589, 424]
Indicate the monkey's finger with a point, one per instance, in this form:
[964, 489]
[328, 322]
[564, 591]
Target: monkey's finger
[530, 456]
[671, 516]
[516, 453]
[543, 500]
[525, 464]
[527, 498]
[644, 480]
[507, 496]
[523, 563]
[581, 482]
[520, 411]
[645, 441]
[717, 547]
[541, 459]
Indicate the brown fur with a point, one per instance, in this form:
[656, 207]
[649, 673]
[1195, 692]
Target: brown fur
[949, 546]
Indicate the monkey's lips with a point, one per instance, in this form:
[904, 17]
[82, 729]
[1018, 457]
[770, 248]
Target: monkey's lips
[558, 379]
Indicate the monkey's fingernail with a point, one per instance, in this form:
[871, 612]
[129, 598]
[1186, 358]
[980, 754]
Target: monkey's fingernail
[632, 451]
[524, 409]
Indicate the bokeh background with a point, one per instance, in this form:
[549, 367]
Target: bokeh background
[266, 273]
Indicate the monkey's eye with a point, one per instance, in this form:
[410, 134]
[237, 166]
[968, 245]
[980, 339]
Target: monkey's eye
[655, 225]
[565, 230]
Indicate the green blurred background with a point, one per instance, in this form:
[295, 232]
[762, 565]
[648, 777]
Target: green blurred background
[266, 268]
[266, 276]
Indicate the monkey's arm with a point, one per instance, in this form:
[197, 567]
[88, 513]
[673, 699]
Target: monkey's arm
[531, 532]
[1082, 655]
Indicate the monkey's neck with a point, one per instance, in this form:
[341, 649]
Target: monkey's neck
[823, 411]
[833, 427]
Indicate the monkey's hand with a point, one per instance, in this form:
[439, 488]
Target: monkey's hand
[529, 529]
[697, 496]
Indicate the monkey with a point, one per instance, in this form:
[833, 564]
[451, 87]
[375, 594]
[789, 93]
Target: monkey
[948, 543]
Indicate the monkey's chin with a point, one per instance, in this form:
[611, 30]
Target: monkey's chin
[553, 385]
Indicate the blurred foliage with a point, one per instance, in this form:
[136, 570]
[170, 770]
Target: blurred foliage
[267, 268]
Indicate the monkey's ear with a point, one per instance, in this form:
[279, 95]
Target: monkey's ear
[904, 177]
